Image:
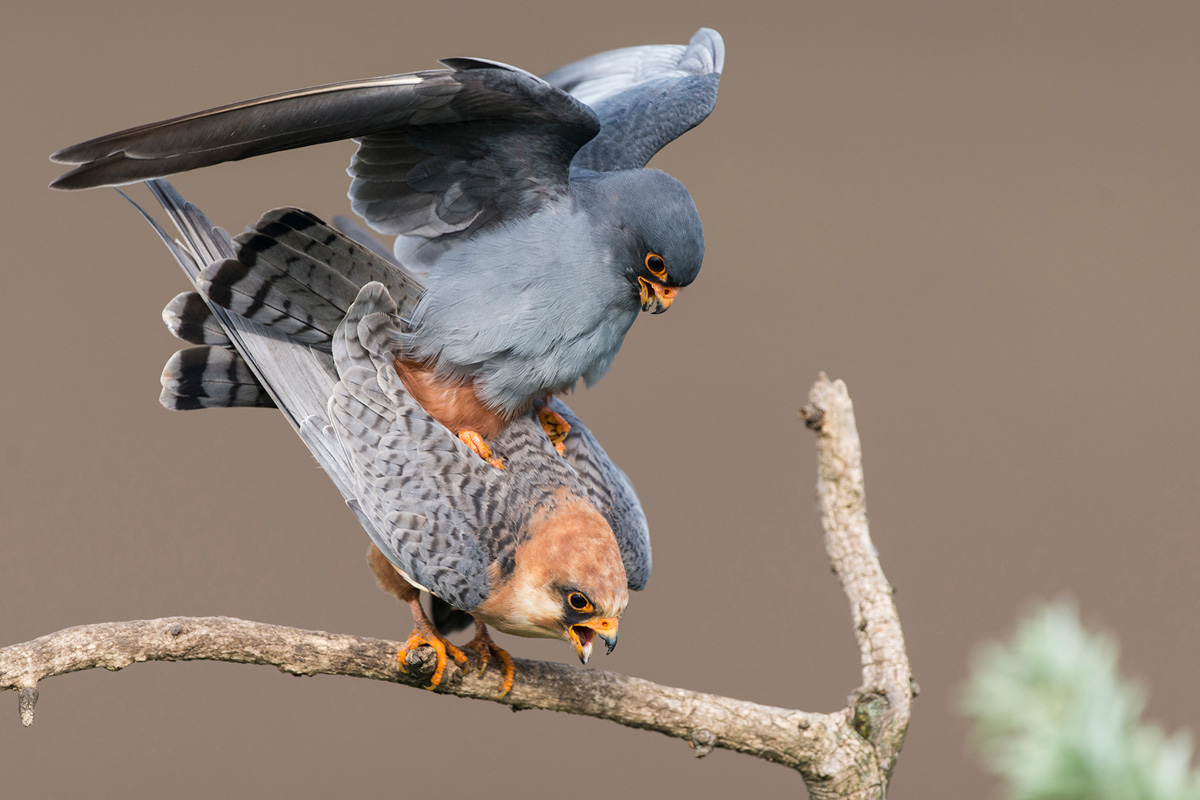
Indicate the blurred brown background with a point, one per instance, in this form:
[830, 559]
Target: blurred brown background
[983, 216]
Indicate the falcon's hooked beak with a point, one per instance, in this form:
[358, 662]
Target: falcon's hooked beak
[655, 297]
[583, 633]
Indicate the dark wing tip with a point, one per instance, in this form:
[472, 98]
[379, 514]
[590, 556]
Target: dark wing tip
[90, 174]
[92, 150]
[464, 64]
[63, 156]
[68, 182]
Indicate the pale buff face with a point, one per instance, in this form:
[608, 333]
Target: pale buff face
[571, 551]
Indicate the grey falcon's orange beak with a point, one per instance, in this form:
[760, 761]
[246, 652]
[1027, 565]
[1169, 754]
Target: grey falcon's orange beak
[655, 297]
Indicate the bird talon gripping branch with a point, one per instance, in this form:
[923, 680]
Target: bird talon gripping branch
[440, 646]
[485, 647]
[556, 428]
[479, 447]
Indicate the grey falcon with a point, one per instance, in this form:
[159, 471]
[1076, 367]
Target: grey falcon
[530, 232]
[548, 547]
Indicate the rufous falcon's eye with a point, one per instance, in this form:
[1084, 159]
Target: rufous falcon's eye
[579, 602]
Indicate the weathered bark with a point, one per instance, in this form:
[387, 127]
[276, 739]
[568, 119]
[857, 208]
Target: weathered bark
[879, 709]
[846, 754]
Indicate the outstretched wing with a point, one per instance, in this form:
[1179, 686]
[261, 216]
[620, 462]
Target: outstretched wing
[440, 151]
[645, 97]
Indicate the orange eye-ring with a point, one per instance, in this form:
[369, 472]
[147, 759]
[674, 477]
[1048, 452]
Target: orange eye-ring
[579, 602]
[656, 265]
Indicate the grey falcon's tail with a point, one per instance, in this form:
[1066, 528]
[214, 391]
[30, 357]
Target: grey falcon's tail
[211, 377]
[291, 273]
[295, 273]
[296, 377]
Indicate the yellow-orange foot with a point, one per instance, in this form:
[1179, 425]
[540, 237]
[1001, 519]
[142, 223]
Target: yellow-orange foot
[479, 447]
[556, 428]
[425, 634]
[486, 648]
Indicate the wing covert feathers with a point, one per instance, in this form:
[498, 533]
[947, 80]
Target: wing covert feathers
[612, 493]
[426, 495]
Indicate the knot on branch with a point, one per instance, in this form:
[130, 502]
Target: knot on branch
[813, 416]
[868, 714]
[702, 741]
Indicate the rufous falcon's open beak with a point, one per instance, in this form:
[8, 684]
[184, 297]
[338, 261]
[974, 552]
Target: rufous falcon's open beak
[655, 297]
[582, 635]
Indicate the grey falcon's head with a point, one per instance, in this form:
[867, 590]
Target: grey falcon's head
[649, 223]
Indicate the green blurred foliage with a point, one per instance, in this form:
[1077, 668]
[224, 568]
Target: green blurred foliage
[1056, 721]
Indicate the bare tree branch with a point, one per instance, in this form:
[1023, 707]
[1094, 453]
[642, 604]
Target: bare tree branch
[880, 708]
[847, 753]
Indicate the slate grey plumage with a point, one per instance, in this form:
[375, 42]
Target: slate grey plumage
[645, 97]
[522, 207]
[436, 510]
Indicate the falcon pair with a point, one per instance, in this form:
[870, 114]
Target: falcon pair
[529, 236]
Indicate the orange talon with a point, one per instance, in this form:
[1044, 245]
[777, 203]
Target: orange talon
[556, 428]
[479, 447]
[425, 634]
[485, 647]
